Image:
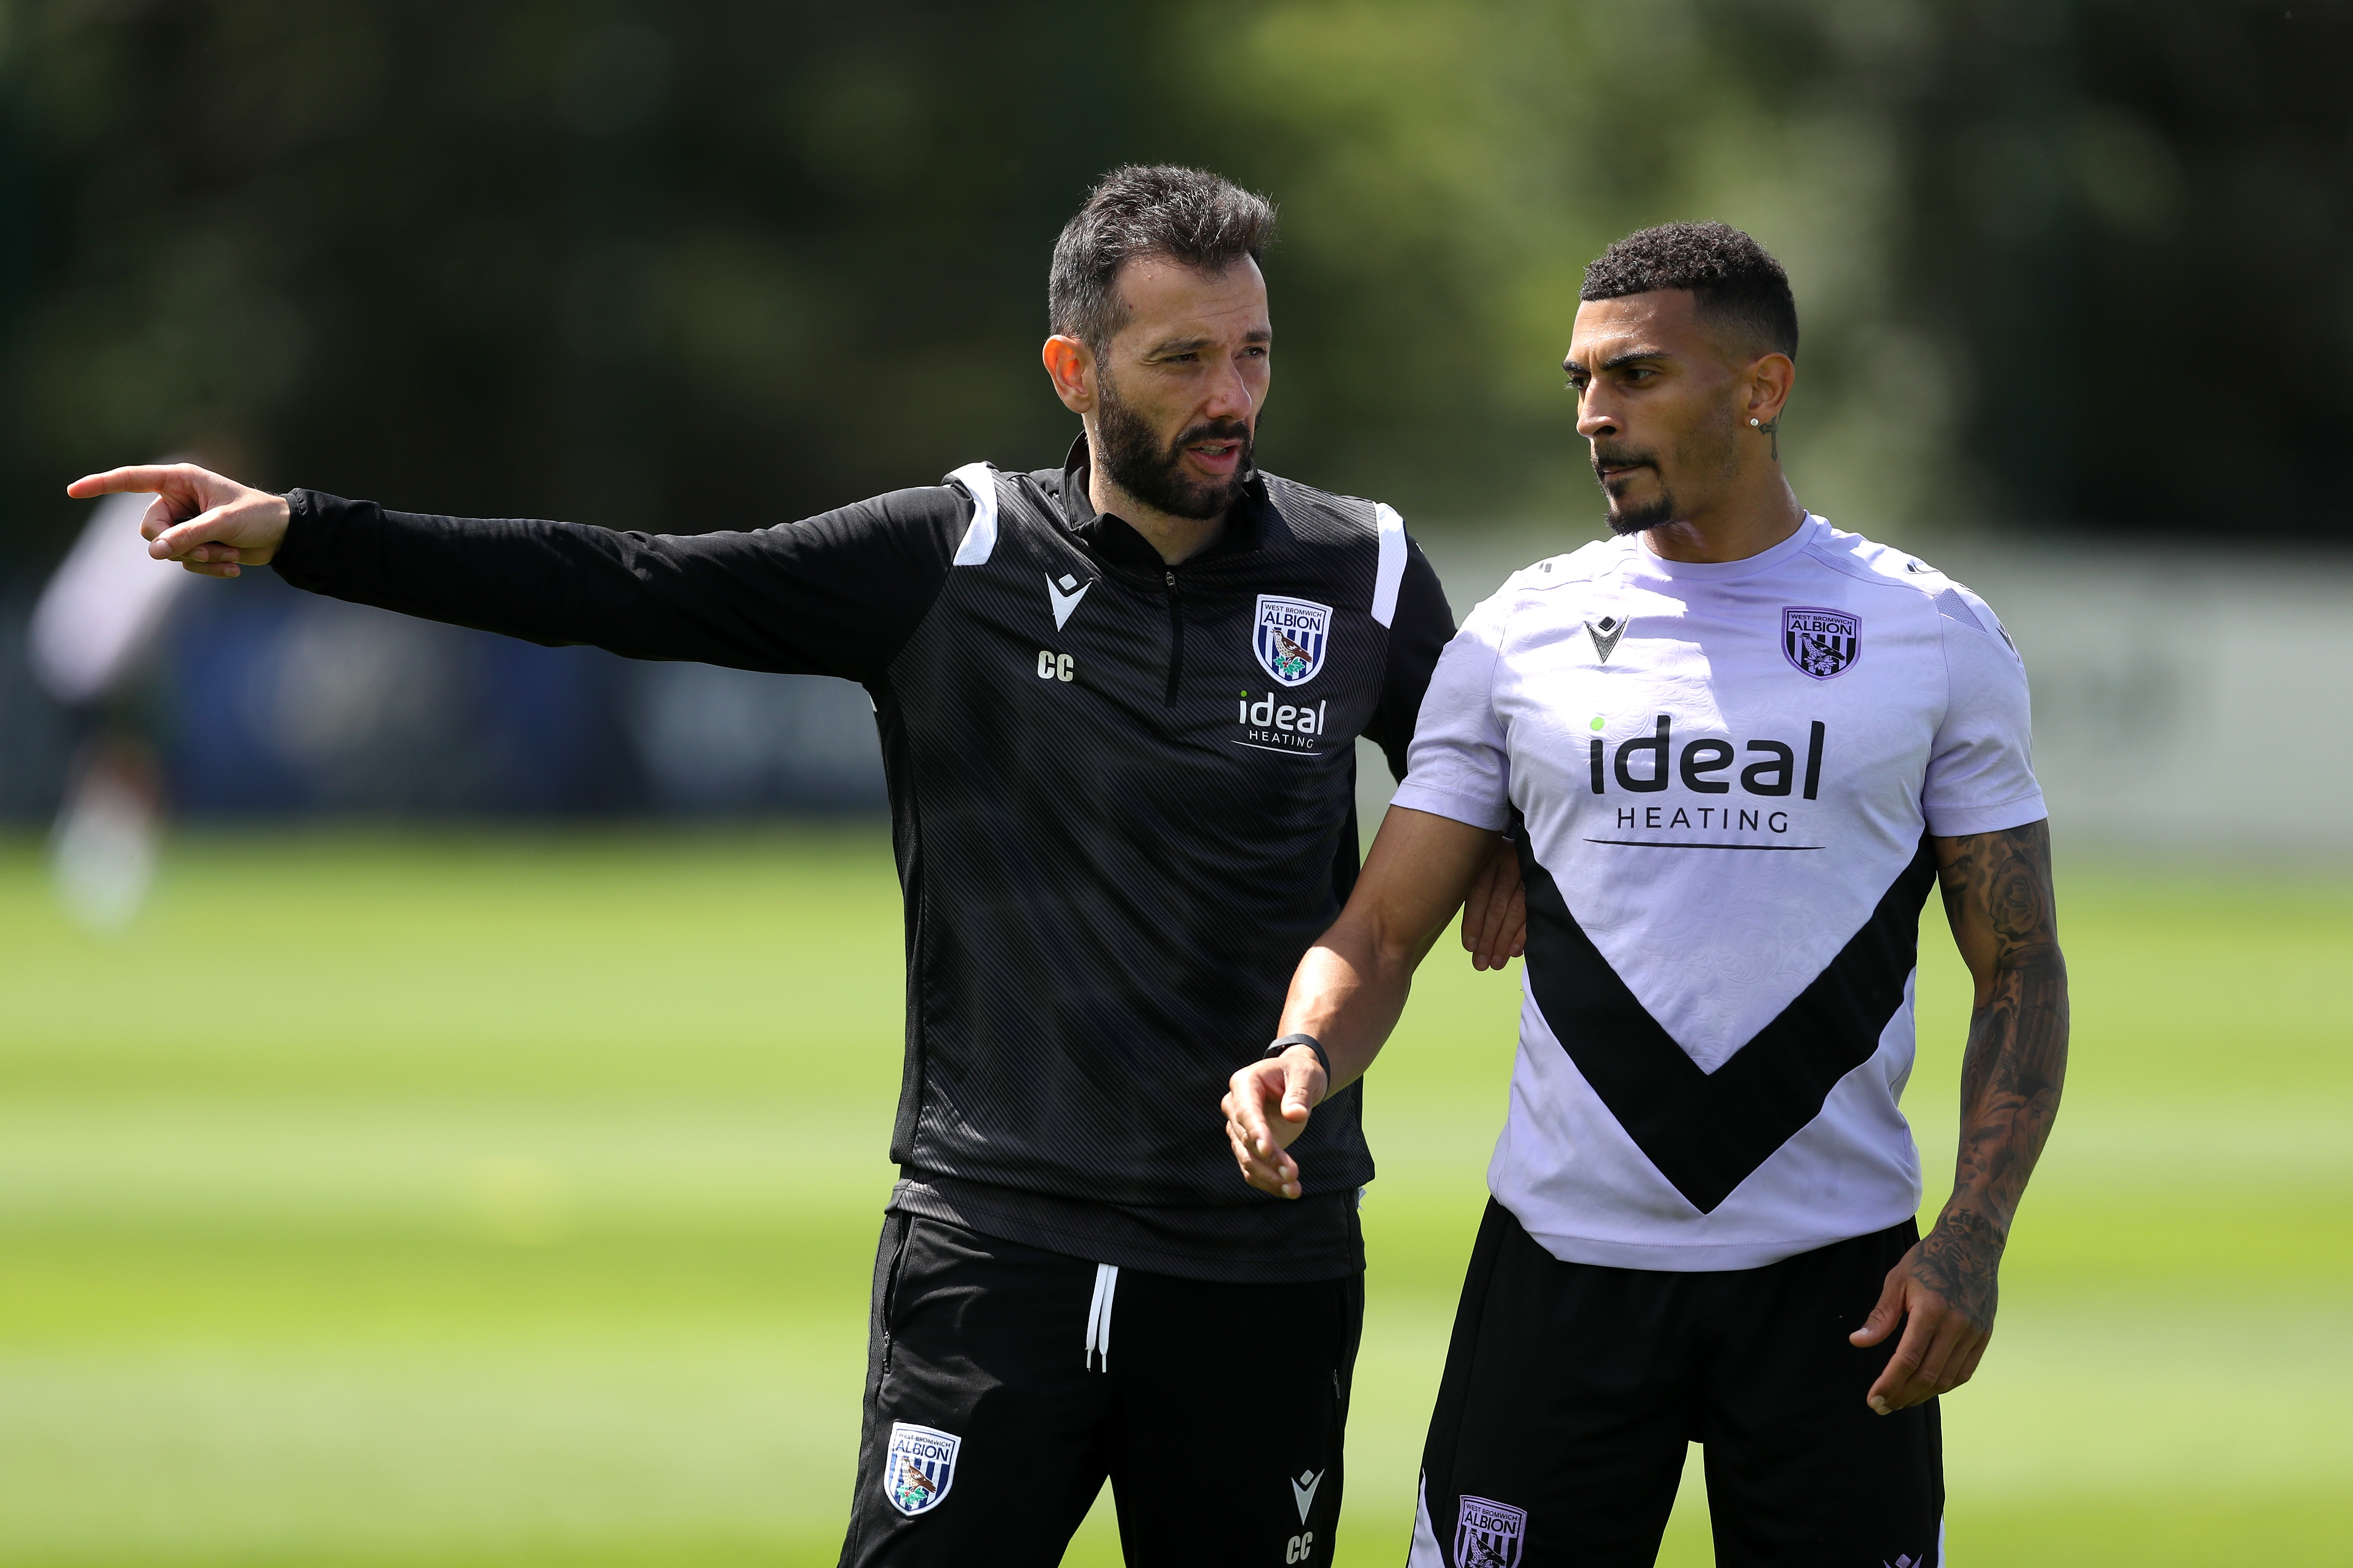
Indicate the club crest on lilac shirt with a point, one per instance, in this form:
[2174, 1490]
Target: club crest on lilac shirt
[1821, 643]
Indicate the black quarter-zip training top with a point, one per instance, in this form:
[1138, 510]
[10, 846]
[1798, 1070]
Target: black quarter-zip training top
[1122, 801]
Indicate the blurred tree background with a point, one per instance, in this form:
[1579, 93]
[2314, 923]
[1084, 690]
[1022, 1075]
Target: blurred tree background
[691, 266]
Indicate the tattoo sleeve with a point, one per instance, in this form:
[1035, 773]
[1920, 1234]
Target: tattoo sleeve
[1997, 891]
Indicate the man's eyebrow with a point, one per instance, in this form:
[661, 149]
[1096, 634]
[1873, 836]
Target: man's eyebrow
[1195, 345]
[1618, 362]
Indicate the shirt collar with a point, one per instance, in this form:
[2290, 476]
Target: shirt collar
[1114, 539]
[1648, 564]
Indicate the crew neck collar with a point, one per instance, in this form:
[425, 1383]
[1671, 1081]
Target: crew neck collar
[1650, 563]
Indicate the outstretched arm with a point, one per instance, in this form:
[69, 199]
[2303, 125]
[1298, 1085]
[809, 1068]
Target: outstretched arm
[1351, 986]
[838, 594]
[1997, 889]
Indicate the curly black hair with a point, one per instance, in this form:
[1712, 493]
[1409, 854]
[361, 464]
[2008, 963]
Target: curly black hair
[1731, 276]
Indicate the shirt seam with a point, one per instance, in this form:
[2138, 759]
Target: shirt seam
[2035, 795]
[1846, 566]
[1477, 807]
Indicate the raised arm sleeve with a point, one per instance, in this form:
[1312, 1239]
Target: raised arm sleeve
[1423, 625]
[838, 594]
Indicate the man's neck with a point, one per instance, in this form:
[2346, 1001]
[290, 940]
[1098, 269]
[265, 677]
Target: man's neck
[1733, 531]
[1177, 538]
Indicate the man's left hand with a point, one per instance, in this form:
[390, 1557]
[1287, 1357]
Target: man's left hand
[1943, 1291]
[1495, 914]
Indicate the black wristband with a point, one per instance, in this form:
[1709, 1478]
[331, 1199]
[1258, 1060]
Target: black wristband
[1311, 1042]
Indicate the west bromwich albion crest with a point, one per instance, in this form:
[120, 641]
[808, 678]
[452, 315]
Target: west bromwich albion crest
[918, 1467]
[1821, 643]
[1489, 1534]
[1289, 636]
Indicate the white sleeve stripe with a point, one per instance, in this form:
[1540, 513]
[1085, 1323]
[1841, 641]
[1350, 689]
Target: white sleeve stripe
[1392, 567]
[980, 535]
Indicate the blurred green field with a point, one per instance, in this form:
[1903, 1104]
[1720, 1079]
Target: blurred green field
[502, 1200]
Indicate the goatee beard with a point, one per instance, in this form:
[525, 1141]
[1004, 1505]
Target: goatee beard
[1636, 518]
[1623, 521]
[1134, 460]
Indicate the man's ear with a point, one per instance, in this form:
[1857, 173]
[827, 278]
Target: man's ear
[1770, 379]
[1070, 366]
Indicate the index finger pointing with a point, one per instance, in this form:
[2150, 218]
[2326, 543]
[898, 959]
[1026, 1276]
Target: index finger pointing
[148, 478]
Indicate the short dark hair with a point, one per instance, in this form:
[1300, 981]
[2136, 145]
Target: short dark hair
[1188, 216]
[1730, 275]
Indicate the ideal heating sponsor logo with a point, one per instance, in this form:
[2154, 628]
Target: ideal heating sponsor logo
[1767, 771]
[1273, 725]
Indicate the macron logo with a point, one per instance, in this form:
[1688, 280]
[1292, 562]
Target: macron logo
[1303, 1492]
[1066, 595]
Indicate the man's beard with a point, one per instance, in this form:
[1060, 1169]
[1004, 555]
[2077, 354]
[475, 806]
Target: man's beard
[1625, 519]
[1712, 447]
[1134, 460]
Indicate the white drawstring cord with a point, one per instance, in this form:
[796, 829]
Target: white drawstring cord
[1099, 1315]
[1102, 1330]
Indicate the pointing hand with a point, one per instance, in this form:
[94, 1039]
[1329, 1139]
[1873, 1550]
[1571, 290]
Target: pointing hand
[206, 523]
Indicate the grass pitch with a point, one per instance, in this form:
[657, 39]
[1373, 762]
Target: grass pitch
[511, 1200]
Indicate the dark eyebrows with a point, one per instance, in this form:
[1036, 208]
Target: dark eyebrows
[1195, 345]
[1618, 362]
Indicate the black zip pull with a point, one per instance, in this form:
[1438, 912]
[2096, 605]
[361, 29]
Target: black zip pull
[1176, 636]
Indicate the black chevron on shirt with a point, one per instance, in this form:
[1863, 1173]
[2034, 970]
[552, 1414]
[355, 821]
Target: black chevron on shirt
[1706, 1132]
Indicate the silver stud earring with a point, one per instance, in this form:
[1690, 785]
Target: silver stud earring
[1758, 427]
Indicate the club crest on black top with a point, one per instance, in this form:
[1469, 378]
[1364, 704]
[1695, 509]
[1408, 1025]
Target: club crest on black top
[1289, 636]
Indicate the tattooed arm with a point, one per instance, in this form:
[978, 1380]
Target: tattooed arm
[1997, 889]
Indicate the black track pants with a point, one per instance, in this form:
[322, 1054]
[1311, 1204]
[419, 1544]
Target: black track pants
[1571, 1391]
[1005, 1383]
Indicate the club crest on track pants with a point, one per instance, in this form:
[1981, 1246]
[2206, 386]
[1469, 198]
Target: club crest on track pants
[1005, 1384]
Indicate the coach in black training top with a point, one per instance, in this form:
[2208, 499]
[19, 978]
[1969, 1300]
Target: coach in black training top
[1118, 703]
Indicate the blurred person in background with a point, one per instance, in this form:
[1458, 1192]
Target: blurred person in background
[1118, 701]
[1736, 746]
[91, 641]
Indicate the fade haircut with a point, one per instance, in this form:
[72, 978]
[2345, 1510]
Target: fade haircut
[1186, 215]
[1730, 275]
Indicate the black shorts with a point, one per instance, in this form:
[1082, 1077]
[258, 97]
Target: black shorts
[1571, 1391]
[1005, 1383]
